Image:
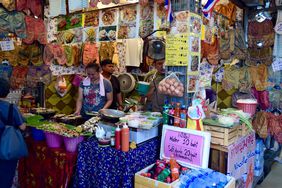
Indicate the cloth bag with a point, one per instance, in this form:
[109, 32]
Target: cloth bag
[12, 144]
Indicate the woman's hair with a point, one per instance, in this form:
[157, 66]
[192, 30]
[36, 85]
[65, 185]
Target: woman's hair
[4, 88]
[94, 66]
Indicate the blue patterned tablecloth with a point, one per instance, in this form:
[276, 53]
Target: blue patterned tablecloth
[106, 167]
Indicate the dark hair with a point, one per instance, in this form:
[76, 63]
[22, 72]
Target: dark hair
[106, 62]
[94, 66]
[4, 88]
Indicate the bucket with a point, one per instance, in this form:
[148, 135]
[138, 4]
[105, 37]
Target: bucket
[143, 87]
[72, 143]
[249, 108]
[53, 140]
[37, 134]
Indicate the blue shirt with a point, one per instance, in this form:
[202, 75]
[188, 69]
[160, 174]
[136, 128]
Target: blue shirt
[4, 110]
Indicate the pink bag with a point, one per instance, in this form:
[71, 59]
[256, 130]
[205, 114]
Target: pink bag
[77, 80]
[262, 98]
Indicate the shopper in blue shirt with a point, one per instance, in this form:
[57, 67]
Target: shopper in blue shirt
[8, 167]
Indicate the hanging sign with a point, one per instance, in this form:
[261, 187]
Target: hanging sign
[7, 45]
[189, 147]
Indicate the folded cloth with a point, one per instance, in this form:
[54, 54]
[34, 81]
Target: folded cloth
[87, 82]
[102, 87]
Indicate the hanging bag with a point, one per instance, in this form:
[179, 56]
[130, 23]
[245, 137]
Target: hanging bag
[12, 144]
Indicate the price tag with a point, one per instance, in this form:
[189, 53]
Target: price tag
[7, 45]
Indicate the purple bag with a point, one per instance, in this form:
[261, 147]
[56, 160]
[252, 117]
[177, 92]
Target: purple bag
[77, 80]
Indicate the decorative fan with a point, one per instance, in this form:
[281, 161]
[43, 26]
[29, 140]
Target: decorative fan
[127, 82]
[156, 49]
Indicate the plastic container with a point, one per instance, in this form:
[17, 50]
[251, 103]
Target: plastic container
[125, 138]
[118, 138]
[53, 140]
[249, 108]
[72, 143]
[143, 87]
[37, 134]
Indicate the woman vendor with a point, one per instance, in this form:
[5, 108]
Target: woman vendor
[94, 93]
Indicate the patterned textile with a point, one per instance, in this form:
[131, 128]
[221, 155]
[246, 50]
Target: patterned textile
[18, 78]
[106, 167]
[65, 104]
[45, 167]
[121, 55]
[224, 98]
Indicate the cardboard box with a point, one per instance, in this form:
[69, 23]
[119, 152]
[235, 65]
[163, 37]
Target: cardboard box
[144, 182]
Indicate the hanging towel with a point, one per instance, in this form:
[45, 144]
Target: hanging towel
[57, 7]
[134, 51]
[87, 82]
[102, 87]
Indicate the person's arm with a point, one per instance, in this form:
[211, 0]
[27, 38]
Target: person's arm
[148, 96]
[109, 100]
[119, 99]
[18, 118]
[109, 94]
[79, 101]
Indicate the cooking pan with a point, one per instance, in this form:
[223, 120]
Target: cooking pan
[111, 115]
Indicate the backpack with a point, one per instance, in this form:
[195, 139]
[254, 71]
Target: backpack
[12, 144]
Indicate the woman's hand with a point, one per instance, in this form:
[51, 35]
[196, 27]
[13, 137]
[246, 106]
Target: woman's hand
[77, 113]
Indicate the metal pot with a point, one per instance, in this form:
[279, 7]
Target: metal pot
[111, 115]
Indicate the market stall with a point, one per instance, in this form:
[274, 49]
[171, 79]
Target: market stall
[103, 87]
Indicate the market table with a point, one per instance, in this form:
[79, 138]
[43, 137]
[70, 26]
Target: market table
[46, 167]
[106, 167]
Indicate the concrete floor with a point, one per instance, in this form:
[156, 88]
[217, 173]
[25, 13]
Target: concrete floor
[274, 178]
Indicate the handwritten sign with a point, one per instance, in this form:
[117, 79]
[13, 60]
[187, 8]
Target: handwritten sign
[241, 156]
[189, 147]
[184, 146]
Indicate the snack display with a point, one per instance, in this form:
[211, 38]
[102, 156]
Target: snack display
[91, 19]
[128, 14]
[108, 17]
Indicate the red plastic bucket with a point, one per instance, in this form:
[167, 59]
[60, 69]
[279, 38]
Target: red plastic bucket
[249, 108]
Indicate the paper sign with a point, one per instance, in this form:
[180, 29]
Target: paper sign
[241, 156]
[7, 45]
[184, 146]
[189, 147]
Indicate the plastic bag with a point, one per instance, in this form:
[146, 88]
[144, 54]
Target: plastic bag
[171, 85]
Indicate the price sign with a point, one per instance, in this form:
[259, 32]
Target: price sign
[189, 147]
[7, 45]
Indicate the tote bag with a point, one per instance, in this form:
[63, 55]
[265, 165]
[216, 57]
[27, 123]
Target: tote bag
[12, 144]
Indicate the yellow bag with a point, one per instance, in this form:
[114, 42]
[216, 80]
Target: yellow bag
[195, 124]
[195, 119]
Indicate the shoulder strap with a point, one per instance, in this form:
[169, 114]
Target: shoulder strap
[10, 115]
